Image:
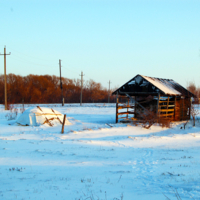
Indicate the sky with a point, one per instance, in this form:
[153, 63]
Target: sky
[109, 40]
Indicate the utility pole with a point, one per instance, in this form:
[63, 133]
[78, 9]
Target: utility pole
[109, 92]
[81, 88]
[5, 81]
[61, 84]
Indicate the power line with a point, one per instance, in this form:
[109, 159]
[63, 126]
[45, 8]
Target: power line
[22, 59]
[32, 63]
[19, 57]
[70, 70]
[74, 71]
[28, 55]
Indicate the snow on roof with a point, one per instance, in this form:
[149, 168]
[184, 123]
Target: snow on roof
[165, 85]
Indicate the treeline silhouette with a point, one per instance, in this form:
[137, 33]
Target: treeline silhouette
[46, 89]
[195, 90]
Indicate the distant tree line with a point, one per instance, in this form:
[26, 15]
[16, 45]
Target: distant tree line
[46, 89]
[195, 90]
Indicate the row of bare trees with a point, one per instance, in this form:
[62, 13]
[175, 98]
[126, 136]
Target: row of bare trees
[46, 89]
[195, 90]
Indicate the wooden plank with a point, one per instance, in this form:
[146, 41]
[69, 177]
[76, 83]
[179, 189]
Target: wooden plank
[56, 115]
[122, 118]
[169, 114]
[39, 108]
[166, 110]
[171, 106]
[124, 107]
[40, 114]
[48, 122]
[166, 113]
[126, 113]
[130, 111]
[46, 119]
[163, 106]
[166, 101]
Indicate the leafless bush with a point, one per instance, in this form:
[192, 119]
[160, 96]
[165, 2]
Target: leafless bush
[194, 113]
[164, 123]
[22, 110]
[150, 118]
[13, 112]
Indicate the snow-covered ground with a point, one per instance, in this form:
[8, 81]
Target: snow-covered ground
[97, 159]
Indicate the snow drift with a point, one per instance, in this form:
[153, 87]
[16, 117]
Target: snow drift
[41, 115]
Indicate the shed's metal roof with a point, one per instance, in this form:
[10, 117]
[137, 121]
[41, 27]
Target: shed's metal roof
[166, 86]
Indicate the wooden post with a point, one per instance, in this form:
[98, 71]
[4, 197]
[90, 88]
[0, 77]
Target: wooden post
[182, 99]
[167, 107]
[167, 103]
[117, 108]
[127, 109]
[158, 112]
[61, 83]
[175, 109]
[109, 93]
[135, 115]
[190, 105]
[5, 81]
[81, 89]
[63, 102]
[63, 124]
[5, 88]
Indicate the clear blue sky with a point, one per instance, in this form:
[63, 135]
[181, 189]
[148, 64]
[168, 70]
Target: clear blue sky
[106, 39]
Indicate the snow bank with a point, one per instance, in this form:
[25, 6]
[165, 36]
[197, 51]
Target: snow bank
[41, 115]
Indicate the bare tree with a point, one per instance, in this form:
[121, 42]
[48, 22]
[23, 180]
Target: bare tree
[194, 110]
[194, 113]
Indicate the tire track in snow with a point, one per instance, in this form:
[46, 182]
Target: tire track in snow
[145, 167]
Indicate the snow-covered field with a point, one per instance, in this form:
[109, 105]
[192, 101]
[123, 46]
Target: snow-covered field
[97, 159]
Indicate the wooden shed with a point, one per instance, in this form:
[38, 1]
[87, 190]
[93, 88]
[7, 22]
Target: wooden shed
[163, 98]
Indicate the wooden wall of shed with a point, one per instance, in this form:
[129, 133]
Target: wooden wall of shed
[182, 109]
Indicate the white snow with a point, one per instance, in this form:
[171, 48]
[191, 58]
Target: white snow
[165, 87]
[37, 116]
[96, 158]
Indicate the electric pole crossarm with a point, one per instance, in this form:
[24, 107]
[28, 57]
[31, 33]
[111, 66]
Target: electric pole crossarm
[5, 54]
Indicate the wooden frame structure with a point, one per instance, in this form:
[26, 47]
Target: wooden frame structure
[143, 96]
